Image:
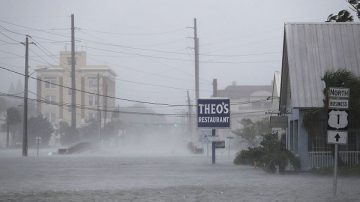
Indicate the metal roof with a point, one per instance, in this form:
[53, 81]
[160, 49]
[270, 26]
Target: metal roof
[311, 49]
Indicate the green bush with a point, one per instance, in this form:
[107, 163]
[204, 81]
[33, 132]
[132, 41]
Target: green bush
[249, 157]
[268, 154]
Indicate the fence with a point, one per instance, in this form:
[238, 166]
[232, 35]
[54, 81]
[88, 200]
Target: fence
[320, 159]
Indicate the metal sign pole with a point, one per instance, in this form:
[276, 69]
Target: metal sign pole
[335, 170]
[229, 148]
[213, 153]
[337, 123]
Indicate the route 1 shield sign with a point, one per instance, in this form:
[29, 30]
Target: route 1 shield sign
[338, 119]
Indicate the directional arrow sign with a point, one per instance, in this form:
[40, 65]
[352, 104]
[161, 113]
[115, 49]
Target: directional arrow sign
[337, 137]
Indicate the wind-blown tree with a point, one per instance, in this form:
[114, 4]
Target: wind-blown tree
[67, 134]
[13, 118]
[252, 132]
[355, 6]
[39, 127]
[344, 15]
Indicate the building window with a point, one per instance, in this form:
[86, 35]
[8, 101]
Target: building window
[50, 82]
[93, 100]
[93, 82]
[50, 99]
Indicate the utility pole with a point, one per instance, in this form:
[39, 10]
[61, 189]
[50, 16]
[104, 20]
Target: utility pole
[98, 106]
[105, 92]
[196, 54]
[213, 131]
[73, 86]
[196, 50]
[25, 131]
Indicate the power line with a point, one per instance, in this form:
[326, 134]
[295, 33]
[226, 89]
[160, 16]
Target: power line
[12, 39]
[83, 91]
[135, 34]
[30, 28]
[145, 72]
[92, 109]
[149, 84]
[175, 52]
[178, 59]
[117, 98]
[117, 110]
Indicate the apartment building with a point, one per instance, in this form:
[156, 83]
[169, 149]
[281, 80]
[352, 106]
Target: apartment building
[54, 87]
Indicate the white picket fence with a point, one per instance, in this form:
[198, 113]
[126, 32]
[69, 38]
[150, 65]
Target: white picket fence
[320, 159]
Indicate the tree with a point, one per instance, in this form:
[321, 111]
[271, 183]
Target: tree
[269, 154]
[252, 132]
[355, 6]
[67, 134]
[344, 15]
[90, 131]
[13, 118]
[39, 127]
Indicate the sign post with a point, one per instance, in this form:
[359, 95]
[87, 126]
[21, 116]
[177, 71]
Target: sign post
[38, 140]
[337, 123]
[213, 113]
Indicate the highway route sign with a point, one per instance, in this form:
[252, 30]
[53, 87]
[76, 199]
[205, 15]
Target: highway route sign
[338, 119]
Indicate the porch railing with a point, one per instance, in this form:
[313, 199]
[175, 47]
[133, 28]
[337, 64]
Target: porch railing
[321, 159]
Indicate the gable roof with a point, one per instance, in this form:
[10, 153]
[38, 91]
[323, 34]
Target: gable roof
[311, 49]
[238, 92]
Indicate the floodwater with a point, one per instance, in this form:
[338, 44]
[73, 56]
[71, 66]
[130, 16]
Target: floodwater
[167, 177]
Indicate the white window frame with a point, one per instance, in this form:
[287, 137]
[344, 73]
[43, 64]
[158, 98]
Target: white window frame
[50, 81]
[92, 82]
[92, 100]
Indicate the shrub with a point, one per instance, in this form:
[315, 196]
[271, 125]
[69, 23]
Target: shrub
[268, 154]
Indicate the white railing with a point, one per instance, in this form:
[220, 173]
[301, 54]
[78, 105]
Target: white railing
[321, 159]
[350, 157]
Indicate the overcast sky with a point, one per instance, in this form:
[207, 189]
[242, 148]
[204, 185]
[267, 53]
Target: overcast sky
[148, 44]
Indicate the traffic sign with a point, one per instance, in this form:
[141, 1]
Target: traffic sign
[337, 137]
[220, 144]
[338, 119]
[339, 92]
[338, 104]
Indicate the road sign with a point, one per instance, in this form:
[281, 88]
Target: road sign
[213, 113]
[220, 144]
[338, 104]
[339, 92]
[337, 137]
[338, 119]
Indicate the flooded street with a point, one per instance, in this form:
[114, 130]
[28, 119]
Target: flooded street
[110, 177]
